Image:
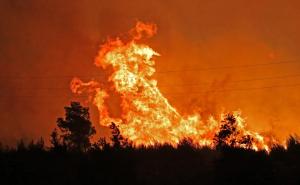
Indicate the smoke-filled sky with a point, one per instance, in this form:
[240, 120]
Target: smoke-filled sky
[216, 55]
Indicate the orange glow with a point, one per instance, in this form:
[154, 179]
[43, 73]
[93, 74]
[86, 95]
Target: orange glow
[147, 117]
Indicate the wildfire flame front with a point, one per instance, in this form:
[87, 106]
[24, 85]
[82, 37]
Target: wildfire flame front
[147, 118]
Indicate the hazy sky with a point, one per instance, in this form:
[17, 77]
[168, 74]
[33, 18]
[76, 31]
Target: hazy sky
[44, 43]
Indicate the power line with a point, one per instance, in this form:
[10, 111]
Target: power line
[181, 93]
[231, 66]
[157, 72]
[50, 77]
[232, 90]
[237, 81]
[45, 97]
[180, 85]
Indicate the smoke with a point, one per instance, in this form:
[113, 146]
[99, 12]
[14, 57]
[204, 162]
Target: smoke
[45, 43]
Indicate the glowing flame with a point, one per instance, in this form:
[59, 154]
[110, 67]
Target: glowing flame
[147, 117]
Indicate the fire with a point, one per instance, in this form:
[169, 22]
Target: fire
[147, 117]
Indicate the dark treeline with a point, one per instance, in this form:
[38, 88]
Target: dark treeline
[73, 159]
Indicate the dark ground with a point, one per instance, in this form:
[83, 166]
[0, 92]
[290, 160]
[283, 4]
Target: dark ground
[35, 165]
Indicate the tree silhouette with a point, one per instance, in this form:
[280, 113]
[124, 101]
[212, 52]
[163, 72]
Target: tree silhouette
[186, 144]
[227, 129]
[118, 141]
[57, 144]
[116, 137]
[100, 145]
[37, 146]
[54, 140]
[293, 144]
[76, 128]
[21, 147]
[227, 135]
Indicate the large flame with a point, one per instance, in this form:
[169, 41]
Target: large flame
[147, 118]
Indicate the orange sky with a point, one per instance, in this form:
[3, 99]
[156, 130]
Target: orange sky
[43, 44]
